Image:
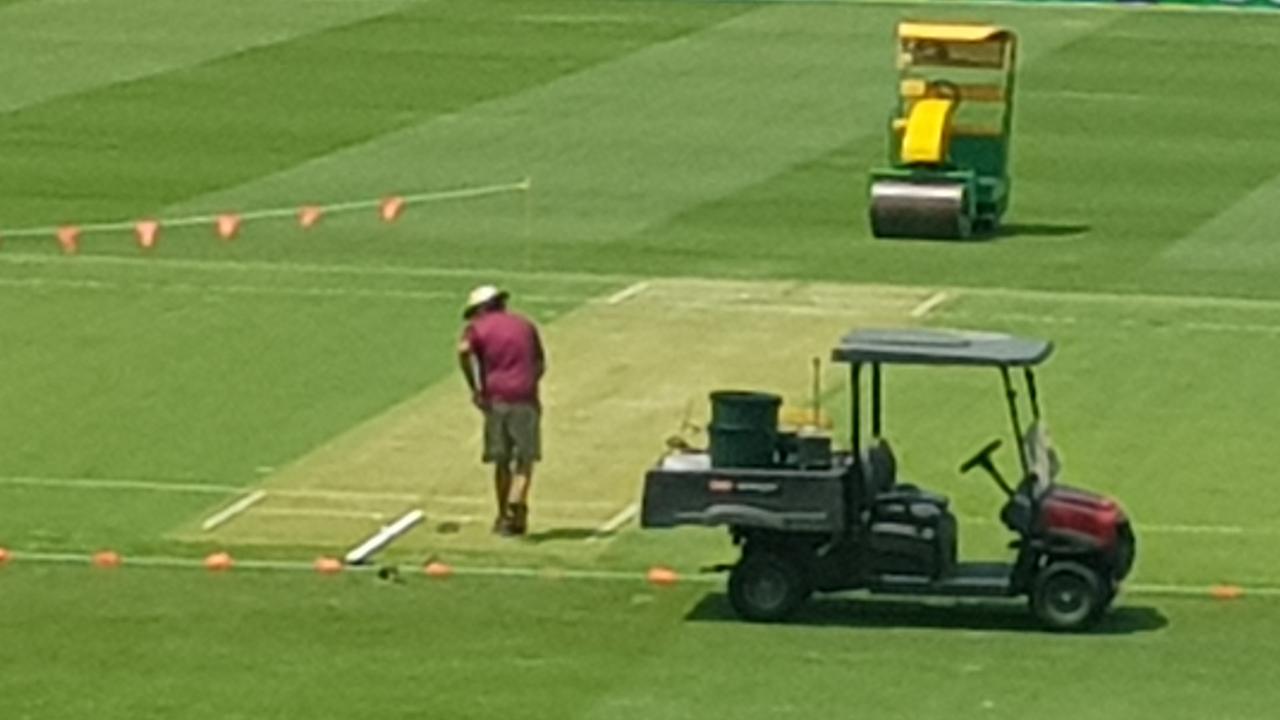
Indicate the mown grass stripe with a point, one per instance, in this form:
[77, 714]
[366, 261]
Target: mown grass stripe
[56, 49]
[1184, 6]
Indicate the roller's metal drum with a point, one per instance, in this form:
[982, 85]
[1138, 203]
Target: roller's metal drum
[919, 210]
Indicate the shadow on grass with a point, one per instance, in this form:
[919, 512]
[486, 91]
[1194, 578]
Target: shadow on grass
[1003, 232]
[568, 533]
[996, 616]
[1050, 230]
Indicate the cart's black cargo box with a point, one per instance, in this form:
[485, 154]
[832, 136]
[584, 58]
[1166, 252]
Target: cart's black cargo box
[811, 500]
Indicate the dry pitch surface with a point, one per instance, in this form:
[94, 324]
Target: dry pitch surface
[627, 370]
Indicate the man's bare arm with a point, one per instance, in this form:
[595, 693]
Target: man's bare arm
[467, 365]
[539, 355]
[470, 366]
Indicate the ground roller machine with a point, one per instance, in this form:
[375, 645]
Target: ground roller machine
[949, 133]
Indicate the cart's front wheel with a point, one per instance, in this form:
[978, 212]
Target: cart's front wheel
[1068, 596]
[766, 587]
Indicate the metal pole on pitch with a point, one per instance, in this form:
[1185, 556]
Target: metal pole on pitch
[383, 537]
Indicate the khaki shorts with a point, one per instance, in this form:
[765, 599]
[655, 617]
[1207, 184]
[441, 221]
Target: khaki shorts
[512, 432]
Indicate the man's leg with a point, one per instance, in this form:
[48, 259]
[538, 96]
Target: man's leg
[497, 450]
[518, 495]
[502, 482]
[526, 432]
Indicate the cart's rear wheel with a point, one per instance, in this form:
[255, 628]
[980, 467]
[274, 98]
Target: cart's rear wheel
[766, 586]
[1068, 596]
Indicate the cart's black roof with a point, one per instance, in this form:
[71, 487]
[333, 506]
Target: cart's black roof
[919, 346]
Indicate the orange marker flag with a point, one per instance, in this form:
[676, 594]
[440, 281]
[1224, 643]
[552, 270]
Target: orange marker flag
[106, 559]
[219, 561]
[148, 232]
[328, 565]
[69, 239]
[391, 208]
[660, 575]
[437, 569]
[228, 226]
[309, 215]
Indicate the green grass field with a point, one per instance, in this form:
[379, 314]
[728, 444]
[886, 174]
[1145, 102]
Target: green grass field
[675, 190]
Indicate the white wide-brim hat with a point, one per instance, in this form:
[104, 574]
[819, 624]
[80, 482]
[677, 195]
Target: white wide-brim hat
[480, 296]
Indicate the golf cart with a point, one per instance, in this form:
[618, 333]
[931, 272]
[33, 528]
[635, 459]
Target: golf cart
[835, 521]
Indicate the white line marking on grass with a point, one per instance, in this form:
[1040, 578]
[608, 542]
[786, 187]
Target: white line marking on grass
[1194, 590]
[319, 494]
[1081, 5]
[1117, 298]
[738, 304]
[271, 290]
[373, 270]
[764, 308]
[163, 561]
[1100, 96]
[1233, 327]
[820, 308]
[130, 484]
[611, 526]
[321, 512]
[1205, 529]
[124, 484]
[929, 304]
[1171, 528]
[553, 573]
[226, 514]
[297, 268]
[280, 212]
[429, 500]
[580, 19]
[468, 518]
[627, 293]
[1214, 327]
[383, 537]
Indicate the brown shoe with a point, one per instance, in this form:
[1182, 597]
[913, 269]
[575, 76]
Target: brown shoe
[517, 519]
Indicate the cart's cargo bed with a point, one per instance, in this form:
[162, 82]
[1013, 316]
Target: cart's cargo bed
[688, 492]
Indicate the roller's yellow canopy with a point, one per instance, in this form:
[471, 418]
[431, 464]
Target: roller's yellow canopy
[951, 33]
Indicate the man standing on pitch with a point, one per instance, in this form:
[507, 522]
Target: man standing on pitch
[502, 359]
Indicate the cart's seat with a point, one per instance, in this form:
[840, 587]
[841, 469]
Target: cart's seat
[890, 500]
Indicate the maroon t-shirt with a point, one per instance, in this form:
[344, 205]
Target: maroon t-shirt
[509, 351]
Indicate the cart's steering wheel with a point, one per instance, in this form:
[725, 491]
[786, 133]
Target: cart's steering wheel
[982, 457]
